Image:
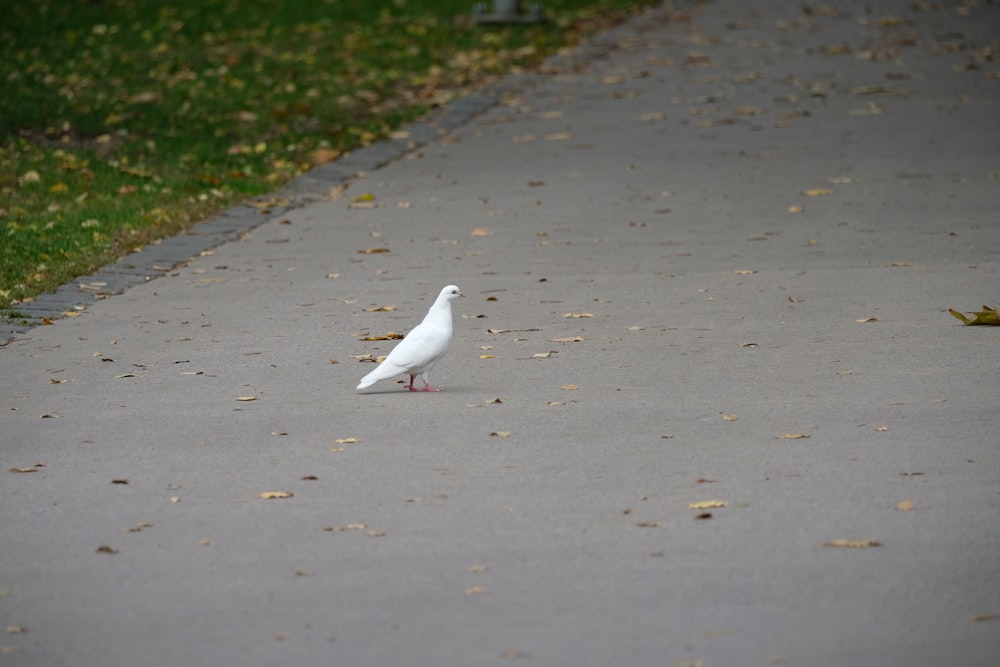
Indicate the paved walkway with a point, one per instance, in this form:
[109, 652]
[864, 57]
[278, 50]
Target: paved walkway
[705, 404]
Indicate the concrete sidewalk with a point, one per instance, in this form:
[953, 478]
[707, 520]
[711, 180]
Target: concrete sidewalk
[753, 216]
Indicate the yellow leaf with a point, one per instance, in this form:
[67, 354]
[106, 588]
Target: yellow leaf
[795, 209]
[985, 316]
[57, 188]
[487, 356]
[707, 504]
[852, 544]
[364, 197]
[904, 505]
[268, 495]
[817, 192]
[568, 387]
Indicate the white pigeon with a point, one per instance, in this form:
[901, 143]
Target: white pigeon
[423, 347]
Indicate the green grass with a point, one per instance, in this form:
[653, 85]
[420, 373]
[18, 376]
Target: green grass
[123, 121]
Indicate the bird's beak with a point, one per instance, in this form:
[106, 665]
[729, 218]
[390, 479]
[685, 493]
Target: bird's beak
[460, 294]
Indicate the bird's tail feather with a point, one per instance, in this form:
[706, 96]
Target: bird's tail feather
[381, 372]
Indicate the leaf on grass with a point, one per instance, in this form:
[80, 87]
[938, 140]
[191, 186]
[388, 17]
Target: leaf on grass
[986, 316]
[852, 544]
[270, 495]
[707, 504]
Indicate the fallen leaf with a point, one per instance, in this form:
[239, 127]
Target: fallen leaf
[246, 398]
[481, 231]
[500, 434]
[105, 549]
[372, 251]
[729, 418]
[487, 356]
[881, 429]
[476, 590]
[703, 515]
[269, 495]
[16, 629]
[344, 527]
[578, 315]
[31, 469]
[982, 618]
[900, 264]
[866, 320]
[744, 272]
[986, 316]
[568, 387]
[707, 504]
[794, 436]
[346, 441]
[495, 400]
[796, 208]
[817, 192]
[905, 505]
[120, 481]
[380, 309]
[852, 544]
[567, 339]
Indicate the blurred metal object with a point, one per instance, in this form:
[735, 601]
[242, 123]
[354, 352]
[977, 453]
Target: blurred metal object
[508, 11]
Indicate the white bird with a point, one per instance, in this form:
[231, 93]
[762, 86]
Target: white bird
[423, 347]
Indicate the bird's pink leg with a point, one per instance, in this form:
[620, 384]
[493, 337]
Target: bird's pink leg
[427, 387]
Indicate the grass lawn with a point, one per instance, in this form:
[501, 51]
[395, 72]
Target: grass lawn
[123, 121]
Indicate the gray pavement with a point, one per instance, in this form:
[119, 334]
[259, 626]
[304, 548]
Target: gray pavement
[759, 214]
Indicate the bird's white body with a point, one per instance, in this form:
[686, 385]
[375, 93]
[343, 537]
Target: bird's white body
[423, 347]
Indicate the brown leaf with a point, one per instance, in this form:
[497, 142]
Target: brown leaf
[105, 549]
